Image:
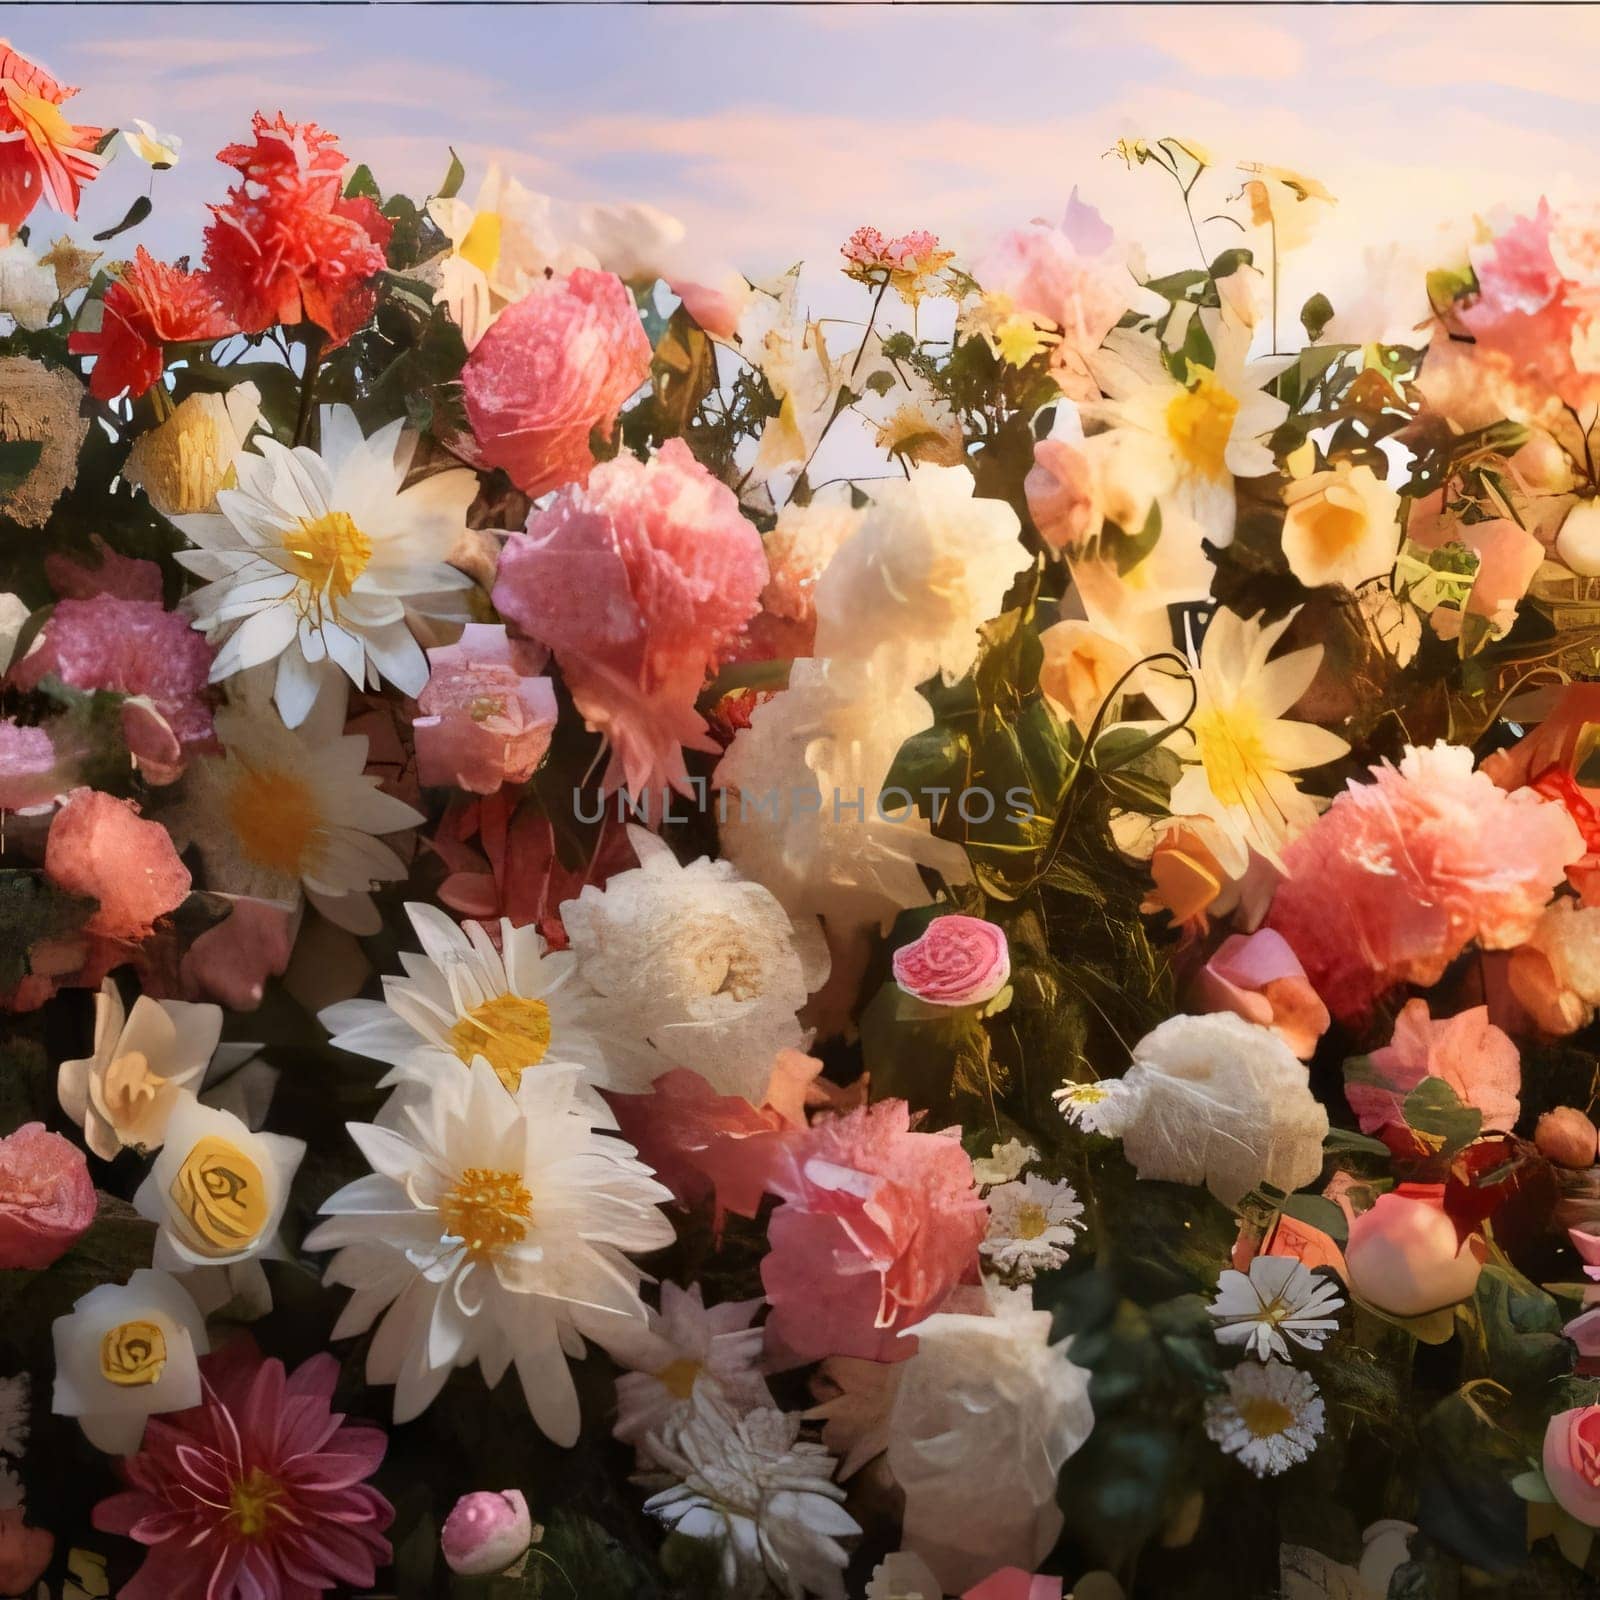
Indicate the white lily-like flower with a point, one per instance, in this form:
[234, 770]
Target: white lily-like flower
[1279, 1299]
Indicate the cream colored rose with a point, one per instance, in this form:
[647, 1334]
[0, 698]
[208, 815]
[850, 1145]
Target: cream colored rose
[1081, 667]
[1342, 527]
[183, 462]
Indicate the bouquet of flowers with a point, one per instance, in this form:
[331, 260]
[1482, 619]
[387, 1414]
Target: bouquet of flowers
[594, 1009]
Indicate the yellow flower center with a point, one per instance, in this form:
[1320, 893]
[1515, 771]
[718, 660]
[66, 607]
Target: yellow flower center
[275, 816]
[128, 1081]
[512, 1033]
[487, 1210]
[1265, 1417]
[220, 1193]
[252, 1502]
[1332, 529]
[46, 116]
[1200, 423]
[1232, 751]
[481, 247]
[133, 1354]
[1031, 1221]
[328, 553]
[678, 1377]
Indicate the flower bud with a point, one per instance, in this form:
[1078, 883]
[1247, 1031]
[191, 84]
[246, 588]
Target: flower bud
[1578, 543]
[1567, 1137]
[486, 1532]
[1404, 1258]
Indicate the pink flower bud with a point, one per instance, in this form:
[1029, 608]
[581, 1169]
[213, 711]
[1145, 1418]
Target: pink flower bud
[1567, 1137]
[1404, 1258]
[24, 1553]
[958, 961]
[486, 1532]
[1572, 1462]
[47, 1197]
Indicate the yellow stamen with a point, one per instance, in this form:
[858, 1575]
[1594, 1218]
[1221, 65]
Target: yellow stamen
[487, 1210]
[678, 1377]
[275, 816]
[1265, 1417]
[328, 553]
[252, 1502]
[511, 1032]
[1200, 423]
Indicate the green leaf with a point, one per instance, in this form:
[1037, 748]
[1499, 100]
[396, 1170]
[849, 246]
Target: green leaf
[683, 372]
[455, 176]
[1231, 260]
[361, 183]
[136, 213]
[1434, 1112]
[1315, 315]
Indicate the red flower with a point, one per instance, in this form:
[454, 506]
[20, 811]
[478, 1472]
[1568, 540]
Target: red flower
[257, 1493]
[41, 152]
[151, 305]
[286, 244]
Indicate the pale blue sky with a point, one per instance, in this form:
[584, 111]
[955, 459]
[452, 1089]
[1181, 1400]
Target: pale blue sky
[773, 132]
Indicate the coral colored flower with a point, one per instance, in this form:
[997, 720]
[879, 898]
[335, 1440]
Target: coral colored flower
[878, 1224]
[99, 847]
[46, 1197]
[1012, 1583]
[287, 245]
[1399, 875]
[958, 961]
[257, 1493]
[486, 718]
[149, 306]
[1572, 1462]
[1258, 977]
[556, 365]
[639, 583]
[1472, 1055]
[132, 647]
[42, 154]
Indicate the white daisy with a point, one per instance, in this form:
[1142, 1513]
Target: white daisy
[493, 1229]
[1240, 750]
[762, 1495]
[124, 1353]
[285, 810]
[1094, 1107]
[122, 1095]
[14, 1415]
[1032, 1224]
[688, 1346]
[1279, 1295]
[319, 557]
[1271, 1417]
[1197, 435]
[516, 1007]
[707, 965]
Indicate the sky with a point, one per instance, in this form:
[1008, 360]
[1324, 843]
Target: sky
[772, 132]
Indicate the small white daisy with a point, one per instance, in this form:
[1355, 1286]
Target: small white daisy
[1093, 1107]
[1278, 1296]
[14, 1415]
[1271, 1417]
[1032, 1223]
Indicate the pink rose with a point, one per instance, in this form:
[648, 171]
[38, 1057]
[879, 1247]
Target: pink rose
[958, 961]
[1012, 1583]
[486, 1532]
[553, 367]
[1404, 1257]
[46, 1197]
[1399, 875]
[1572, 1462]
[487, 719]
[640, 583]
[878, 1224]
[97, 846]
[24, 1553]
[1472, 1055]
[1258, 977]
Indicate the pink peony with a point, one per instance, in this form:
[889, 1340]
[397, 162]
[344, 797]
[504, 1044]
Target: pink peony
[958, 961]
[878, 1224]
[1258, 977]
[1071, 276]
[46, 1197]
[553, 367]
[639, 583]
[97, 846]
[256, 1493]
[487, 719]
[1572, 1462]
[1468, 1051]
[133, 647]
[486, 1532]
[1399, 875]
[30, 775]
[24, 1553]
